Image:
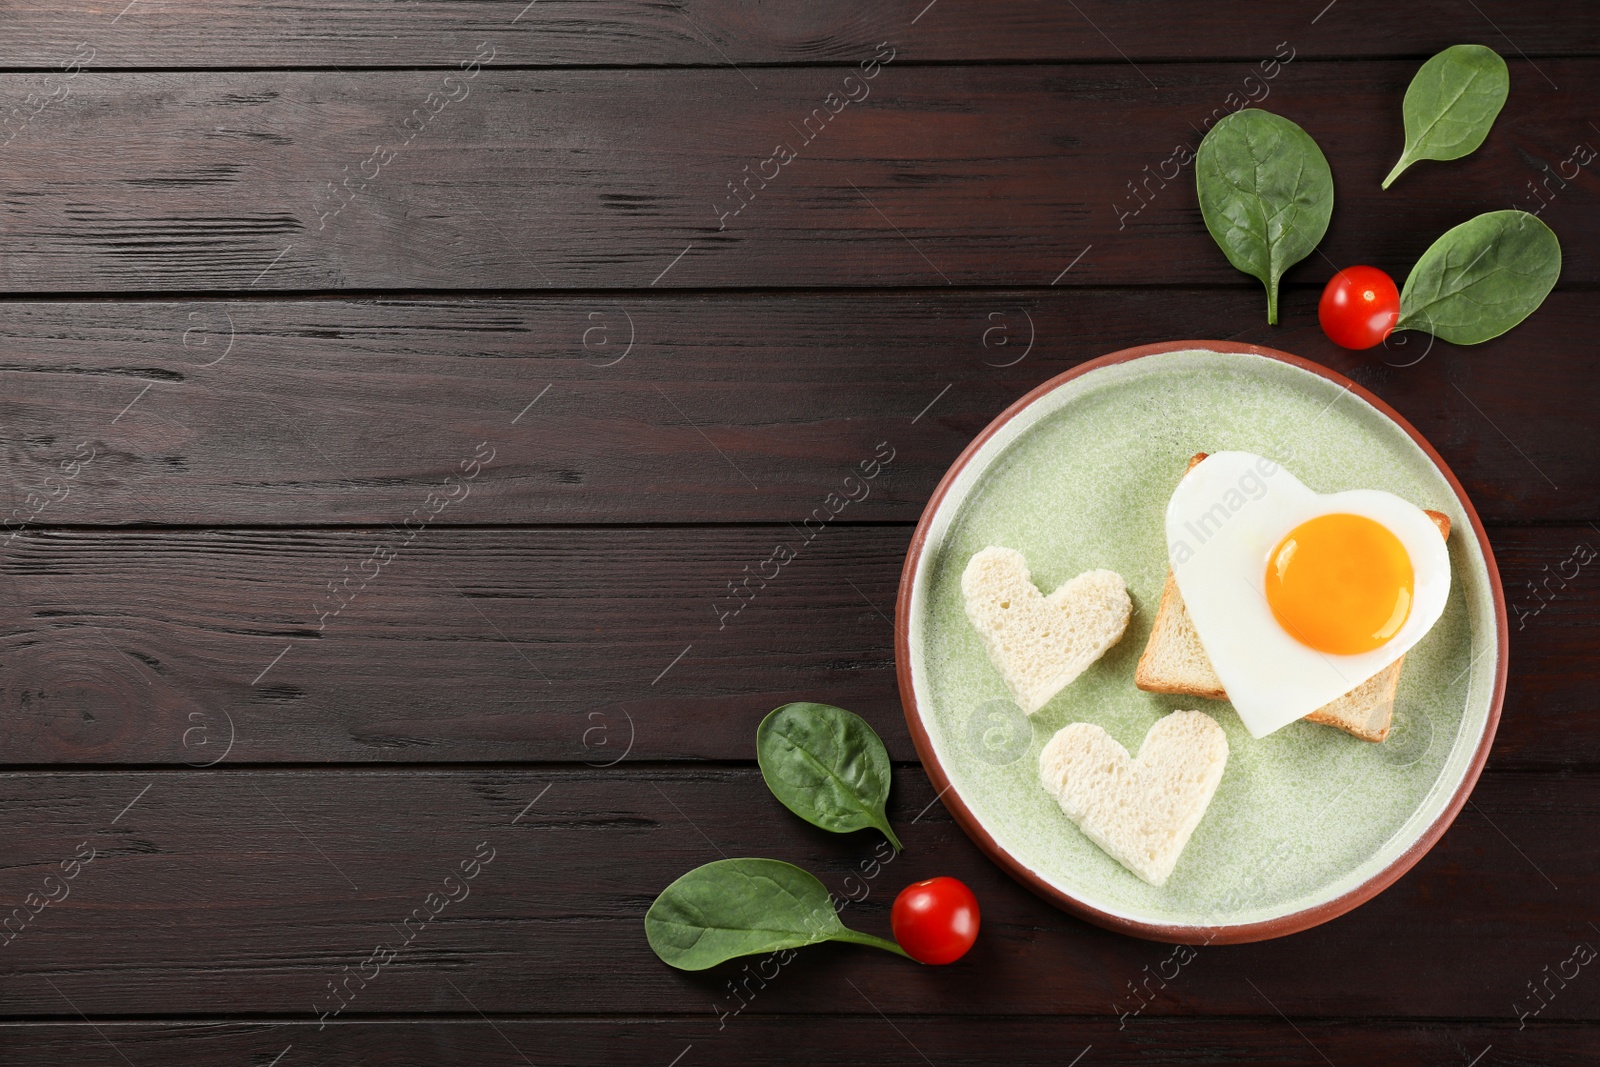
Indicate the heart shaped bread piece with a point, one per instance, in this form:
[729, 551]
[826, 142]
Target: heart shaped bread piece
[1140, 811]
[1041, 643]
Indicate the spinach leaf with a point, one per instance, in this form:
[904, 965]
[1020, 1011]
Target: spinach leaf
[742, 906]
[1451, 104]
[827, 766]
[1481, 278]
[1266, 194]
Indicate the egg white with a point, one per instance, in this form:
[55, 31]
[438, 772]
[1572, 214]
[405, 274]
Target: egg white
[1223, 522]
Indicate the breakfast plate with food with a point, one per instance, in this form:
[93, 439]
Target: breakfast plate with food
[1202, 642]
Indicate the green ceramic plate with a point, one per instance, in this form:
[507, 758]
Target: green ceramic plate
[1309, 821]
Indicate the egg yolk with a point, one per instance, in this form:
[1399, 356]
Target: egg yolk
[1340, 583]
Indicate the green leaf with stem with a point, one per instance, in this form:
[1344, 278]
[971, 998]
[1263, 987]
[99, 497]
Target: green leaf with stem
[1266, 194]
[826, 765]
[1451, 104]
[1481, 278]
[740, 907]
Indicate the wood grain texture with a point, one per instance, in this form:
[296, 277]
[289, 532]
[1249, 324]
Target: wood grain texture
[832, 1040]
[550, 666]
[620, 179]
[225, 892]
[156, 647]
[671, 407]
[351, 33]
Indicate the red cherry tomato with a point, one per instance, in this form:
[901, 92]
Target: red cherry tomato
[1359, 307]
[935, 921]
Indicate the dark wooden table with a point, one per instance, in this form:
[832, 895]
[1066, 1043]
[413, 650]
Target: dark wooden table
[391, 393]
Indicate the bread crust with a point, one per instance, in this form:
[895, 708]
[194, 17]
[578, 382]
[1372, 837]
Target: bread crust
[1367, 711]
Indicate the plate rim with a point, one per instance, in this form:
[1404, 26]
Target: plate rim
[1234, 933]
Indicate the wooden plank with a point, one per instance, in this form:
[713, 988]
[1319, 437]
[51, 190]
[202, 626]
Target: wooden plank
[548, 645]
[671, 408]
[215, 893]
[1553, 635]
[562, 32]
[558, 644]
[808, 1041]
[993, 176]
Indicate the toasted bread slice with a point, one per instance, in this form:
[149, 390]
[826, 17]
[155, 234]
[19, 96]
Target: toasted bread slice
[1175, 662]
[1367, 710]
